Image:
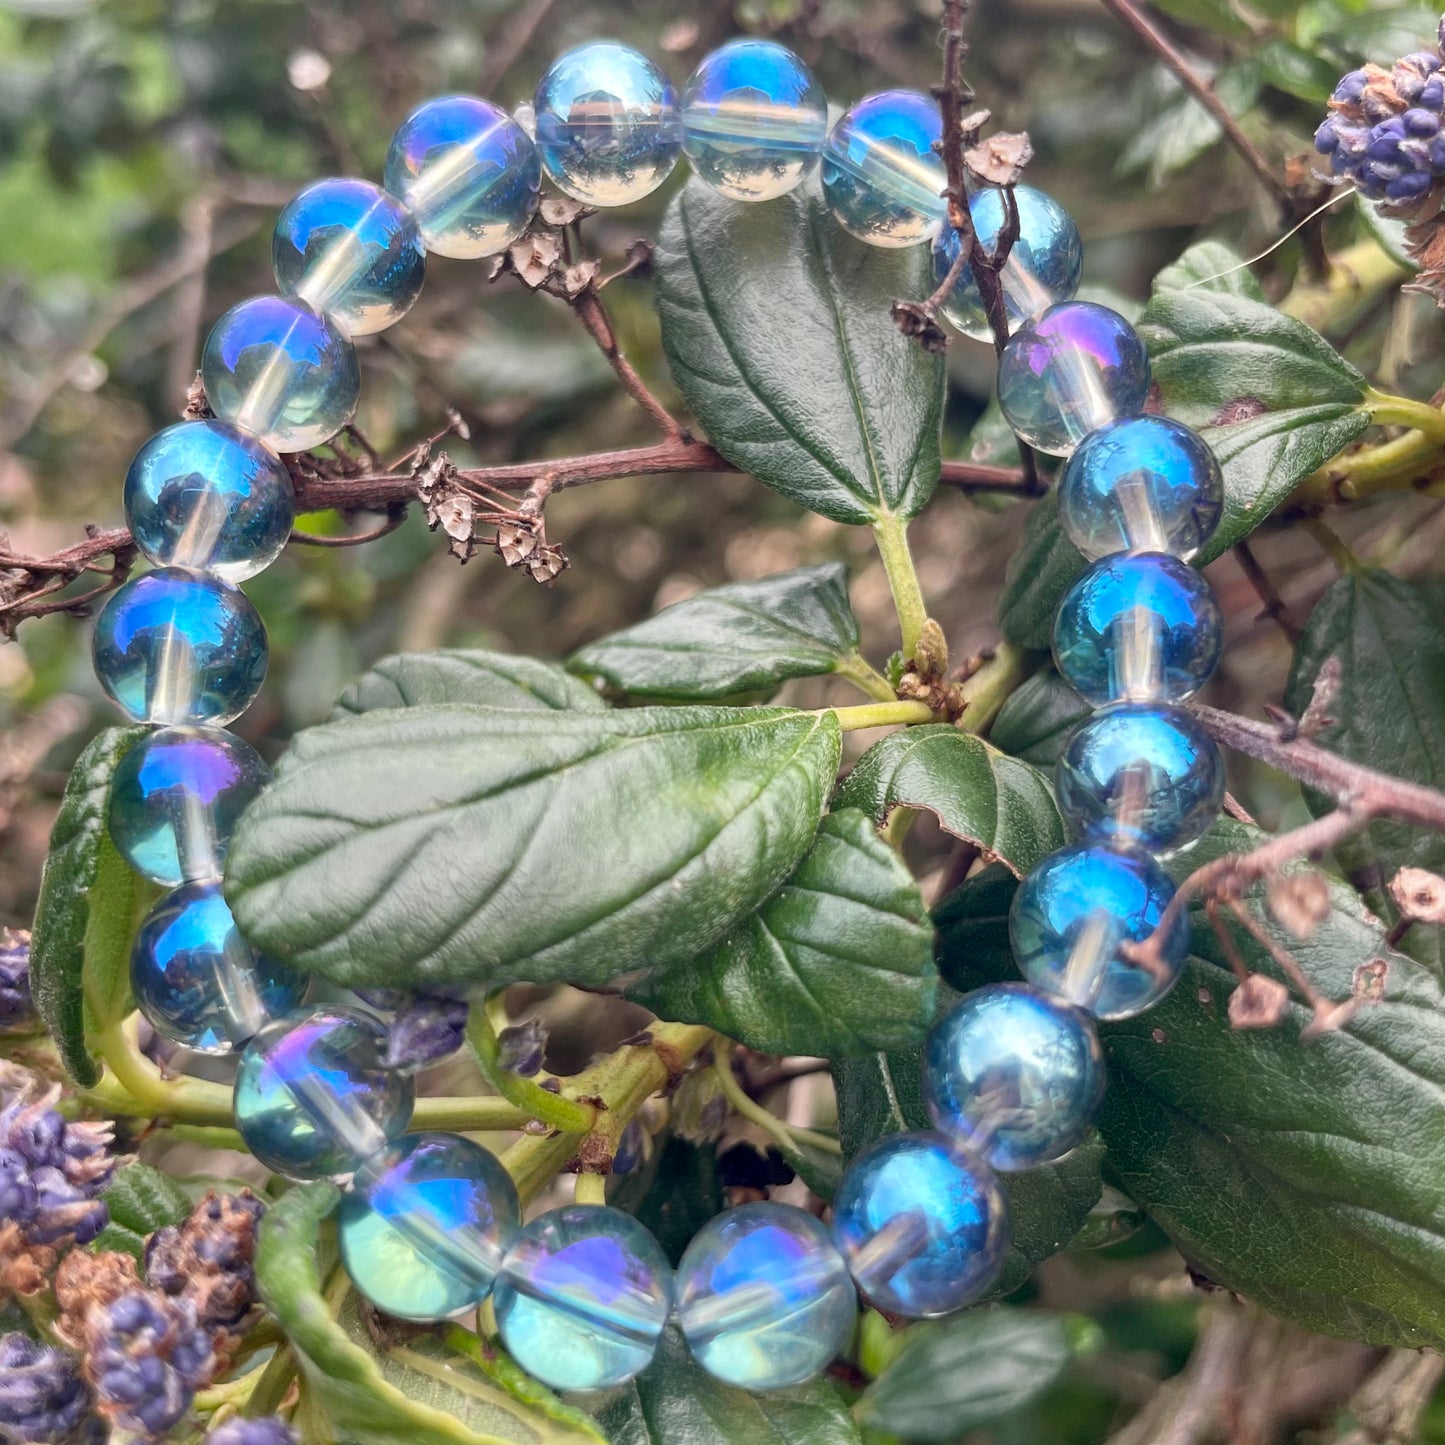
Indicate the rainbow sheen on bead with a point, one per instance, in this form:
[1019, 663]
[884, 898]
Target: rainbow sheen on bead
[1066, 372]
[608, 126]
[1015, 1073]
[203, 495]
[1042, 268]
[468, 173]
[923, 1225]
[1072, 913]
[198, 981]
[1142, 483]
[281, 370]
[312, 1099]
[583, 1297]
[1138, 627]
[179, 647]
[425, 1225]
[763, 1297]
[175, 799]
[754, 119]
[882, 179]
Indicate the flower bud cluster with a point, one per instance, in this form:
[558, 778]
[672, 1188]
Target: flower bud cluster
[15, 1004]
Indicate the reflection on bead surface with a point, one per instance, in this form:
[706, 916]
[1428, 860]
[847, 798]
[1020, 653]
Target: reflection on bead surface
[763, 1297]
[1143, 773]
[198, 981]
[754, 120]
[1016, 1073]
[1042, 268]
[202, 494]
[468, 173]
[177, 647]
[1141, 483]
[1064, 373]
[1138, 626]
[1070, 916]
[312, 1099]
[275, 367]
[608, 127]
[882, 179]
[923, 1226]
[175, 799]
[425, 1225]
[583, 1297]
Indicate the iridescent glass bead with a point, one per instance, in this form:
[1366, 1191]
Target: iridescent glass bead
[584, 1294]
[201, 494]
[284, 372]
[608, 126]
[754, 120]
[312, 1098]
[425, 1225]
[1072, 369]
[179, 647]
[882, 178]
[763, 1297]
[468, 173]
[1072, 914]
[175, 799]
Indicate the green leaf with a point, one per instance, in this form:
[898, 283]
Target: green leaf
[840, 961]
[674, 1192]
[473, 675]
[1210, 266]
[1297, 71]
[141, 1200]
[483, 845]
[1036, 719]
[776, 325]
[1385, 33]
[1184, 130]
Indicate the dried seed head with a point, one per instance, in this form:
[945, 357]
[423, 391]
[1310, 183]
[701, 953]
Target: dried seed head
[1258, 1003]
[1419, 895]
[1300, 901]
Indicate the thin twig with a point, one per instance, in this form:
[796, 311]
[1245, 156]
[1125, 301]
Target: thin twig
[595, 319]
[1273, 603]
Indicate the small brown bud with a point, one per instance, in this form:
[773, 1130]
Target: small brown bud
[1258, 1003]
[930, 657]
[1419, 895]
[1299, 901]
[1000, 160]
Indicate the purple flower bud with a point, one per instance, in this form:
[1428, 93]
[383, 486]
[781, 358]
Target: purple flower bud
[42, 1397]
[629, 1148]
[146, 1357]
[63, 1211]
[1351, 87]
[1437, 155]
[1421, 122]
[522, 1047]
[425, 1029]
[15, 1002]
[268, 1430]
[1326, 137]
[1408, 187]
[17, 1190]
[1432, 95]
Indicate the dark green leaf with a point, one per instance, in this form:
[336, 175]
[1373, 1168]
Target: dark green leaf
[1184, 130]
[820, 1169]
[674, 1192]
[144, 1199]
[1037, 717]
[1297, 71]
[1384, 34]
[472, 675]
[1210, 266]
[1038, 575]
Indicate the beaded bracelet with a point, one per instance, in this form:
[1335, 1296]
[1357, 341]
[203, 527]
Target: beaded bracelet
[766, 1294]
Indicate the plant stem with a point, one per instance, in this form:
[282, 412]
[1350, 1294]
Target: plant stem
[988, 689]
[568, 1115]
[864, 676]
[484, 1114]
[1388, 410]
[591, 1188]
[133, 1086]
[881, 715]
[891, 535]
[786, 1134]
[1357, 275]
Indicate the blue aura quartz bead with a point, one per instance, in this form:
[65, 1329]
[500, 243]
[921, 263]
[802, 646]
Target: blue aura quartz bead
[754, 120]
[468, 173]
[882, 179]
[923, 1225]
[584, 1294]
[1068, 371]
[425, 1225]
[203, 495]
[178, 647]
[281, 370]
[1143, 774]
[198, 981]
[608, 126]
[313, 1099]
[175, 799]
[763, 1297]
[1141, 483]
[1071, 915]
[1015, 1073]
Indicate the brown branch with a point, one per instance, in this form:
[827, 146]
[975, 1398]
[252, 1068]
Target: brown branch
[598, 323]
[1273, 605]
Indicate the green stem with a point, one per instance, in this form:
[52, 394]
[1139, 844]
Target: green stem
[591, 1188]
[133, 1086]
[1388, 410]
[786, 1134]
[557, 1112]
[891, 535]
[463, 1115]
[881, 715]
[988, 689]
[1357, 275]
[864, 676]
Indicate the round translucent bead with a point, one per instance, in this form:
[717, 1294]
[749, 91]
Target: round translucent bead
[201, 494]
[583, 1297]
[882, 179]
[312, 1099]
[198, 981]
[175, 799]
[1073, 912]
[347, 248]
[179, 647]
[924, 1226]
[1018, 1074]
[1142, 483]
[763, 1297]
[608, 126]
[281, 370]
[1067, 372]
[1138, 626]
[1042, 268]
[425, 1225]
[754, 120]
[468, 173]
[1142, 773]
